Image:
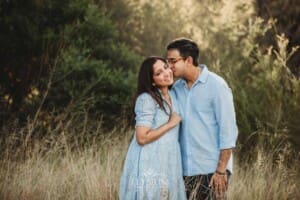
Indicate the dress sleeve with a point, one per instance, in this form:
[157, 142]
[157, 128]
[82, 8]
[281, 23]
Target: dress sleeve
[145, 109]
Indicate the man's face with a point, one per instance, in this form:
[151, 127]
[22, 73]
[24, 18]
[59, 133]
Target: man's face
[176, 62]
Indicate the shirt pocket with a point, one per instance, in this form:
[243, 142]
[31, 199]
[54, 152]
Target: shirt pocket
[204, 105]
[205, 112]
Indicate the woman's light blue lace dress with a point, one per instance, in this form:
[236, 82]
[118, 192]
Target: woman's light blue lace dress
[153, 171]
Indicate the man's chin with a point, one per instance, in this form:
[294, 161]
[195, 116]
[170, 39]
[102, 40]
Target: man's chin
[175, 75]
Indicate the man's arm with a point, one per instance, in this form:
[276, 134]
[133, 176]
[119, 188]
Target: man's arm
[223, 160]
[225, 115]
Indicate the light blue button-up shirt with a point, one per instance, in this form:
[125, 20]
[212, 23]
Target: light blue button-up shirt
[208, 123]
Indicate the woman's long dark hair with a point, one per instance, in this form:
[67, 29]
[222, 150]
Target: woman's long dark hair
[145, 81]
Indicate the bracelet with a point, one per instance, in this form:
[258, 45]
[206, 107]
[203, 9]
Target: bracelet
[220, 173]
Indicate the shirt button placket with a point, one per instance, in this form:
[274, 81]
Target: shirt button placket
[187, 111]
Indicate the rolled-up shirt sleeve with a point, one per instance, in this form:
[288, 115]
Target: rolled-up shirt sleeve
[225, 115]
[145, 109]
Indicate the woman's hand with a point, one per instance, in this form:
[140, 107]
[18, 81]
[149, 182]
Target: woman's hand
[174, 120]
[145, 135]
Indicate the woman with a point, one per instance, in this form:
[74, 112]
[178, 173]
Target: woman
[152, 168]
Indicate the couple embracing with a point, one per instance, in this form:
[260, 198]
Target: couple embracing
[184, 135]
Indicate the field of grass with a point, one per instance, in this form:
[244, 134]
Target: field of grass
[57, 168]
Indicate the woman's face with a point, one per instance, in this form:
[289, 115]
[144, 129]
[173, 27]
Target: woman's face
[162, 74]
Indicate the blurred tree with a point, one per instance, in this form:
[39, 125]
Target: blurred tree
[147, 26]
[75, 42]
[265, 90]
[287, 15]
[21, 52]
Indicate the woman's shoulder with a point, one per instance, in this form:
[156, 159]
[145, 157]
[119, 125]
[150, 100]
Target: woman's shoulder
[145, 99]
[144, 95]
[173, 95]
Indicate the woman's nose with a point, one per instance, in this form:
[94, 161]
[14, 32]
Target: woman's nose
[167, 72]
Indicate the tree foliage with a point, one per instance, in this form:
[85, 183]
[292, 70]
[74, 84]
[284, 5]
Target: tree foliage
[81, 57]
[265, 90]
[70, 44]
[287, 15]
[147, 26]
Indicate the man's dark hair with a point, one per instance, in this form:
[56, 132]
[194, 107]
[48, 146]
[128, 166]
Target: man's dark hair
[186, 48]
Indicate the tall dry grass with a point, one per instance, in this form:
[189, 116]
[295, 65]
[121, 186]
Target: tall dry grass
[55, 168]
[61, 166]
[265, 178]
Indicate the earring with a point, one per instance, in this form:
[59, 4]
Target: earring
[153, 84]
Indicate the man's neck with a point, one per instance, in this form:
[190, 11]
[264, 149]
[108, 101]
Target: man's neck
[192, 75]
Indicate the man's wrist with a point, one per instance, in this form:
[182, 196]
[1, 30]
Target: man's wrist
[220, 173]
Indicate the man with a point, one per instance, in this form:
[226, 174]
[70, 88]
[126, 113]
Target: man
[208, 131]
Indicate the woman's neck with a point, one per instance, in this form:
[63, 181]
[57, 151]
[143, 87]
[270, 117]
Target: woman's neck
[165, 95]
[164, 91]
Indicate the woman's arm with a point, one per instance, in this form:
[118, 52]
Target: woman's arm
[145, 135]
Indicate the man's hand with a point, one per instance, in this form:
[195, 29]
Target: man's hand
[219, 179]
[219, 184]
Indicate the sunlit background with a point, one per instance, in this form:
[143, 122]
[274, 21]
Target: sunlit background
[68, 74]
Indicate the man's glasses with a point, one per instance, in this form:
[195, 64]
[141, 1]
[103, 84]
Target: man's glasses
[174, 60]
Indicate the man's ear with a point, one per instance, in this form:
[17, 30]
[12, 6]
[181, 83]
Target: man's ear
[189, 59]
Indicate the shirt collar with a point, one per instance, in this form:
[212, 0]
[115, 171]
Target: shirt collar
[202, 77]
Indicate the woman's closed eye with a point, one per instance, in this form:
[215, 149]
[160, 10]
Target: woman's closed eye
[157, 73]
[161, 70]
